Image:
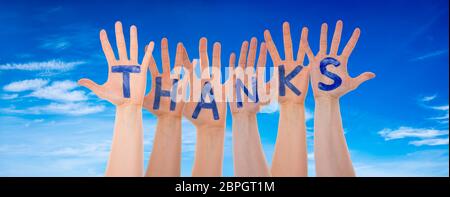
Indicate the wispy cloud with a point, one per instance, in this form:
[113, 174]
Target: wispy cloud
[51, 65]
[25, 85]
[273, 107]
[428, 98]
[430, 55]
[64, 97]
[420, 163]
[74, 109]
[408, 132]
[58, 44]
[9, 96]
[57, 91]
[60, 91]
[430, 142]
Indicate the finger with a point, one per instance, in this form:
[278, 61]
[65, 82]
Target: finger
[94, 87]
[149, 60]
[232, 60]
[179, 58]
[191, 79]
[204, 60]
[133, 44]
[323, 38]
[362, 78]
[336, 38]
[233, 76]
[288, 54]
[120, 41]
[186, 61]
[262, 57]
[351, 43]
[243, 55]
[252, 53]
[303, 47]
[106, 46]
[272, 48]
[216, 55]
[165, 58]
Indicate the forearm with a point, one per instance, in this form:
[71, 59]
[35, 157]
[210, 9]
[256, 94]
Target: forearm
[249, 157]
[166, 153]
[126, 157]
[290, 155]
[209, 151]
[330, 148]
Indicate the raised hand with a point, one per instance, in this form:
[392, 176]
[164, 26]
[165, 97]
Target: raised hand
[293, 75]
[163, 98]
[290, 155]
[329, 74]
[202, 110]
[247, 101]
[126, 78]
[248, 157]
[207, 112]
[165, 101]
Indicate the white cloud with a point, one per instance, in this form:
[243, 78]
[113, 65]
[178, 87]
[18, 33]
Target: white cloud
[20, 86]
[60, 91]
[430, 55]
[74, 109]
[51, 65]
[420, 163]
[428, 98]
[272, 107]
[430, 142]
[9, 96]
[440, 108]
[405, 132]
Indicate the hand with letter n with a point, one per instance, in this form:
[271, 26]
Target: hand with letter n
[330, 80]
[248, 154]
[125, 88]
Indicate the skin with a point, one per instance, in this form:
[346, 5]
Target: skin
[210, 132]
[290, 155]
[330, 147]
[249, 159]
[126, 157]
[165, 158]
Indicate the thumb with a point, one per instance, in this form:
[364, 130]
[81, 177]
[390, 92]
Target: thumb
[362, 78]
[94, 87]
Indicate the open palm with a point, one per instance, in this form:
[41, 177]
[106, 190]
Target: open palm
[115, 90]
[324, 83]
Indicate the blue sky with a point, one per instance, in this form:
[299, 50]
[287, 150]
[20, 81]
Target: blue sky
[395, 125]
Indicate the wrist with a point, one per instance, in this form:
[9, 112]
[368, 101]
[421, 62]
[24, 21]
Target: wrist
[129, 107]
[292, 108]
[326, 100]
[210, 132]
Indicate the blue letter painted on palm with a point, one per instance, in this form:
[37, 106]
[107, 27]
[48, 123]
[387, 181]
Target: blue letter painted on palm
[240, 85]
[285, 80]
[126, 70]
[159, 92]
[207, 90]
[323, 69]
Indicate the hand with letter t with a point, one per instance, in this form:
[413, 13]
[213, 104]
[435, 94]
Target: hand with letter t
[125, 88]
